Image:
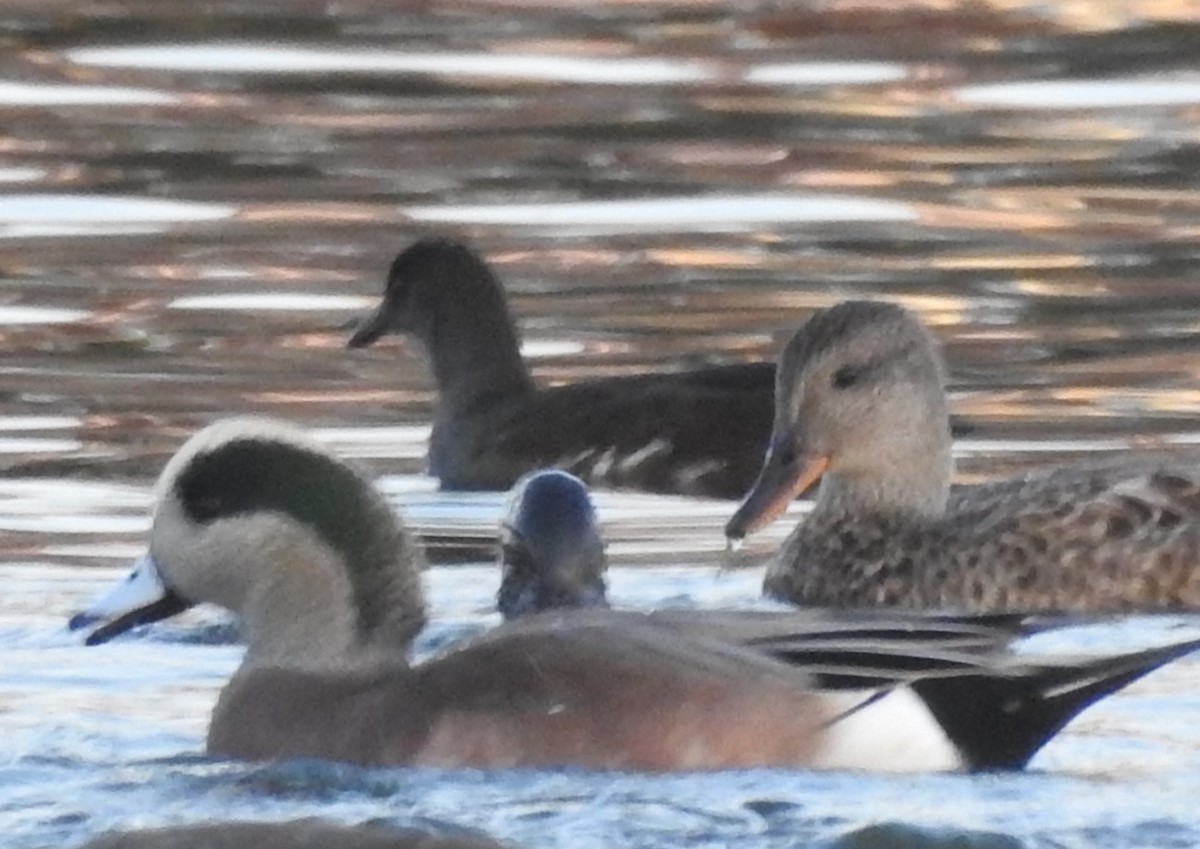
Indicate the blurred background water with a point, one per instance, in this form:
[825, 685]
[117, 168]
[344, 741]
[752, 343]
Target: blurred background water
[196, 197]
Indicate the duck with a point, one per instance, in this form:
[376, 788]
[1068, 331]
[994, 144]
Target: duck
[862, 408]
[699, 432]
[325, 580]
[305, 833]
[552, 552]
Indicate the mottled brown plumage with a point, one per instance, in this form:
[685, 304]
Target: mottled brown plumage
[862, 402]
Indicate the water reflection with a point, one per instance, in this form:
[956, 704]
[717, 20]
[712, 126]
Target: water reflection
[1086, 94]
[233, 58]
[198, 203]
[49, 215]
[39, 315]
[55, 94]
[289, 301]
[694, 213]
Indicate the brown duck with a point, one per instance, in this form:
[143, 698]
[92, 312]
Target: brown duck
[255, 516]
[861, 406]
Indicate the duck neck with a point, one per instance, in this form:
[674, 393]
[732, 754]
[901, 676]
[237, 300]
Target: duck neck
[300, 616]
[305, 615]
[475, 355]
[911, 481]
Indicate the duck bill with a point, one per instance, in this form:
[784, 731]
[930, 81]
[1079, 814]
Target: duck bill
[370, 328]
[778, 484]
[138, 599]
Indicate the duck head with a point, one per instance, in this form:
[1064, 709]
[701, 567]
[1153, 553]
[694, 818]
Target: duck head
[442, 294]
[255, 516]
[430, 281]
[860, 404]
[552, 554]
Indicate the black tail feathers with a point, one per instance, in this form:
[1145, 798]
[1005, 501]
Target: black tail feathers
[999, 718]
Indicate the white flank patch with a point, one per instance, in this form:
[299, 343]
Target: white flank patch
[896, 733]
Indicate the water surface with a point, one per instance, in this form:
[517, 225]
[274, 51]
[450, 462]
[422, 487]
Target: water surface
[193, 206]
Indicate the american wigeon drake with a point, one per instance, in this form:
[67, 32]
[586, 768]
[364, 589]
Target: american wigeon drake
[861, 406]
[697, 432]
[309, 833]
[256, 517]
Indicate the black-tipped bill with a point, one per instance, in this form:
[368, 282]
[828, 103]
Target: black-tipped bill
[369, 328]
[139, 599]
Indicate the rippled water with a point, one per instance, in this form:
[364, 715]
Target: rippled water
[194, 200]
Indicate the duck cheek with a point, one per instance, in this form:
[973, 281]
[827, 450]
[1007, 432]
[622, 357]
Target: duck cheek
[855, 427]
[204, 560]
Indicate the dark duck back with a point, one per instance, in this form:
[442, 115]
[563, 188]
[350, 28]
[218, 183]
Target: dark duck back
[698, 432]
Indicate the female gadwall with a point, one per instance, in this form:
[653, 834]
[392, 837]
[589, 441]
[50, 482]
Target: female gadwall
[861, 406]
[697, 432]
[255, 516]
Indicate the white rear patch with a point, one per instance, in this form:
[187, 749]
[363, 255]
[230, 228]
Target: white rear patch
[895, 733]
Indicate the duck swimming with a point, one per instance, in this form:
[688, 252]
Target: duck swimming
[257, 517]
[551, 550]
[697, 432]
[861, 405]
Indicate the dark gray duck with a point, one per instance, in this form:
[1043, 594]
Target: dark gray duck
[696, 432]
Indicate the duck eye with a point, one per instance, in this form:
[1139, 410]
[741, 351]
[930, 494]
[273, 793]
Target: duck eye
[845, 377]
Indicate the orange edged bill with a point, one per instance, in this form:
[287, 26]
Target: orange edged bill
[784, 476]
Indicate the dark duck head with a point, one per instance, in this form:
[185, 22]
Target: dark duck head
[552, 554]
